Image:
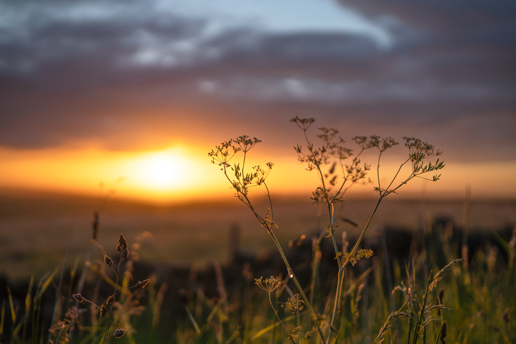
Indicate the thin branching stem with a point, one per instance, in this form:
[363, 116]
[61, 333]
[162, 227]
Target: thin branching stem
[396, 176]
[294, 278]
[346, 176]
[290, 272]
[270, 200]
[331, 208]
[276, 313]
[331, 216]
[342, 269]
[378, 173]
[243, 167]
[329, 192]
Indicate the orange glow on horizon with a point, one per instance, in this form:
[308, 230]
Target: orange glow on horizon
[136, 174]
[184, 172]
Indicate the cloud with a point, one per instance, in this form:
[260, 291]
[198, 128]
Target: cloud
[136, 74]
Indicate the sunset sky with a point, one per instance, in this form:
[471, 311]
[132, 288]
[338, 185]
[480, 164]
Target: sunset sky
[134, 94]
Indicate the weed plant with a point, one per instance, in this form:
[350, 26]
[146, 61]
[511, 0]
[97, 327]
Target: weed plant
[338, 169]
[100, 322]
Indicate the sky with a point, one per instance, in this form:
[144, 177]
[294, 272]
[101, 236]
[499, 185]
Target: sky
[135, 93]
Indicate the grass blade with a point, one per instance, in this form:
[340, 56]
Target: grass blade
[11, 305]
[271, 327]
[194, 323]
[2, 319]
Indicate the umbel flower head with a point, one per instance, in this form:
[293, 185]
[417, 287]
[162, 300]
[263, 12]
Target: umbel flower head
[223, 153]
[269, 284]
[418, 151]
[246, 143]
[238, 177]
[375, 141]
[346, 168]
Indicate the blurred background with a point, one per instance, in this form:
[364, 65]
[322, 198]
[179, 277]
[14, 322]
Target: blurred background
[122, 101]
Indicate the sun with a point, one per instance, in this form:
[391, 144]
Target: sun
[162, 170]
[165, 170]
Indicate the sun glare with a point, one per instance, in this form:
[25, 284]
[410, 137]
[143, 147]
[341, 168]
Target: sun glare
[163, 170]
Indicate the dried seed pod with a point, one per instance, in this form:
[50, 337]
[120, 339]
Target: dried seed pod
[124, 254]
[142, 284]
[119, 333]
[122, 243]
[108, 261]
[110, 300]
[79, 298]
[122, 247]
[103, 310]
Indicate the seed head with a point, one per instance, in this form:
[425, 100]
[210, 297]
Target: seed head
[122, 243]
[142, 284]
[79, 298]
[223, 153]
[108, 261]
[110, 300]
[122, 247]
[245, 143]
[269, 284]
[103, 310]
[293, 305]
[119, 333]
[303, 123]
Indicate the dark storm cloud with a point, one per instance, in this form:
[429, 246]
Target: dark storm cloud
[119, 75]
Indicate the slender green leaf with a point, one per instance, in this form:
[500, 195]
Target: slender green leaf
[11, 305]
[194, 323]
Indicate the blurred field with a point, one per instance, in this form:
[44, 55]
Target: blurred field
[38, 230]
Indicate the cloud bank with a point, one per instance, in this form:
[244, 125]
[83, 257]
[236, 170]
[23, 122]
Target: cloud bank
[140, 73]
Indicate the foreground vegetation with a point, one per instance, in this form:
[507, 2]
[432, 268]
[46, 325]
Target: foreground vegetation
[350, 293]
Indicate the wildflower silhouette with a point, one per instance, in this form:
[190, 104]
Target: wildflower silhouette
[241, 182]
[338, 168]
[333, 185]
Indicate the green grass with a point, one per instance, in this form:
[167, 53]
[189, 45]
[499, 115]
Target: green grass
[46, 225]
[480, 304]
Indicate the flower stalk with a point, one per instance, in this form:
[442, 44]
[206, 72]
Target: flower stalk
[336, 178]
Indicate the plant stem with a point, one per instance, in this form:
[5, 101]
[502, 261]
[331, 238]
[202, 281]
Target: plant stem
[276, 313]
[342, 269]
[331, 214]
[296, 282]
[287, 264]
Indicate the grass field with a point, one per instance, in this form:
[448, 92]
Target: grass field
[198, 292]
[38, 224]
